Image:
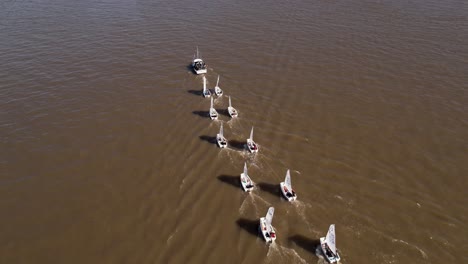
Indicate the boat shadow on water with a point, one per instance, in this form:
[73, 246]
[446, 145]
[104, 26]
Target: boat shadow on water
[195, 92]
[202, 113]
[231, 180]
[251, 226]
[305, 242]
[223, 112]
[273, 189]
[209, 139]
[238, 145]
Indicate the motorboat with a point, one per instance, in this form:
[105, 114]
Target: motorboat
[198, 64]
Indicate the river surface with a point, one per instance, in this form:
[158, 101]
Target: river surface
[107, 154]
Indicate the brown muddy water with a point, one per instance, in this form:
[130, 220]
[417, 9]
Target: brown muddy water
[107, 154]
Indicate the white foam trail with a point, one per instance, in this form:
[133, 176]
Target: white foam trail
[319, 254]
[273, 252]
[301, 207]
[424, 255]
[181, 185]
[255, 198]
[276, 251]
[230, 153]
[243, 206]
[170, 237]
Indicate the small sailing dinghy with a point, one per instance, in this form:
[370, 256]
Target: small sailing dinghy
[198, 64]
[251, 145]
[245, 180]
[206, 92]
[220, 139]
[328, 246]
[213, 112]
[218, 90]
[268, 232]
[286, 188]
[232, 111]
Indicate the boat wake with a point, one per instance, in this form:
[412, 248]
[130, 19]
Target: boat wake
[277, 252]
[319, 254]
[168, 241]
[256, 200]
[253, 200]
[423, 254]
[301, 208]
[244, 204]
[407, 244]
[230, 153]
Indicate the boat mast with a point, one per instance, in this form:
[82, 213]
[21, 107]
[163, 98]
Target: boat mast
[204, 84]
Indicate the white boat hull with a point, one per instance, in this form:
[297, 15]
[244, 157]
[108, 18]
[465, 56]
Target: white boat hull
[207, 94]
[246, 186]
[288, 195]
[199, 69]
[232, 112]
[252, 146]
[213, 114]
[203, 71]
[221, 141]
[268, 236]
[330, 257]
[218, 92]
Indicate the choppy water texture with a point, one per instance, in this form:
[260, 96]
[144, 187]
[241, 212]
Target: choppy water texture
[107, 154]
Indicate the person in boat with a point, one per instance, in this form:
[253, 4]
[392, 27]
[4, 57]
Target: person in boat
[328, 251]
[289, 193]
[272, 232]
[249, 184]
[252, 145]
